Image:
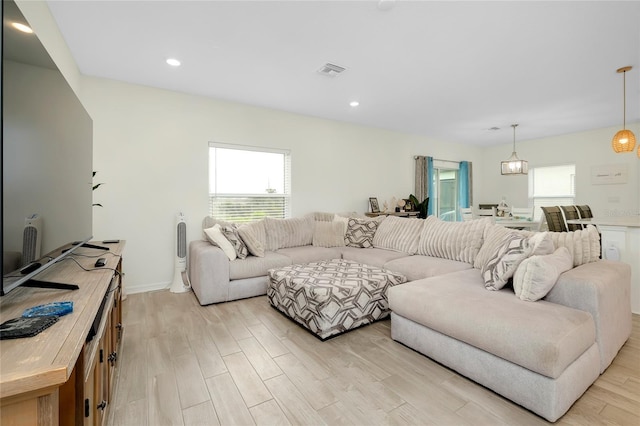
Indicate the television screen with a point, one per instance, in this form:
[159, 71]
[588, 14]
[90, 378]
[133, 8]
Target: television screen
[47, 148]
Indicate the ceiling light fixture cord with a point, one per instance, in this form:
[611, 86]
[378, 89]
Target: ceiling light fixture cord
[624, 99]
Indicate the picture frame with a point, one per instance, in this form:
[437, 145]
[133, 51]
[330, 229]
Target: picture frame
[408, 206]
[375, 207]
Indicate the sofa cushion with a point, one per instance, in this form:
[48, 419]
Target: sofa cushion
[584, 244]
[293, 232]
[216, 237]
[253, 266]
[537, 275]
[452, 240]
[543, 337]
[494, 237]
[360, 232]
[418, 267]
[250, 237]
[209, 221]
[306, 254]
[398, 234]
[231, 234]
[329, 234]
[372, 256]
[503, 264]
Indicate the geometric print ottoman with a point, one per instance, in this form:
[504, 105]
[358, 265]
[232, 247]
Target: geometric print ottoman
[332, 296]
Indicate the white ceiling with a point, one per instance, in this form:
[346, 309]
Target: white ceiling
[446, 70]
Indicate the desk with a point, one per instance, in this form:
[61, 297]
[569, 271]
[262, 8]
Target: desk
[517, 223]
[620, 241]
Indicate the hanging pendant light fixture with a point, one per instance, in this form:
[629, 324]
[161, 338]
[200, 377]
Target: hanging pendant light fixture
[624, 140]
[514, 165]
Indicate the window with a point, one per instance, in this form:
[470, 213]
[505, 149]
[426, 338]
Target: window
[445, 188]
[247, 183]
[551, 186]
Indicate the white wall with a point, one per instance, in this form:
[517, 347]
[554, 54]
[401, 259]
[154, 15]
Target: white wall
[585, 150]
[41, 21]
[151, 151]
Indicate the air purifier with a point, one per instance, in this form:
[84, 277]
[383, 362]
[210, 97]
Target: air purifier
[31, 239]
[178, 285]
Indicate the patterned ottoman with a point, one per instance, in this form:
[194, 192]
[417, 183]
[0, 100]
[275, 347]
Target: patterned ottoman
[332, 296]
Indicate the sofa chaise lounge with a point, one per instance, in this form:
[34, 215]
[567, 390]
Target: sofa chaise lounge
[458, 307]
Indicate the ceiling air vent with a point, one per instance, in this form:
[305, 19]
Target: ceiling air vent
[330, 70]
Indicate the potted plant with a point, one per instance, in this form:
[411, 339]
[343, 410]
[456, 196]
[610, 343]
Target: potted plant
[420, 207]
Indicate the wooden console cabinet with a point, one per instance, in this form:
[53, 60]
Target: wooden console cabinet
[59, 376]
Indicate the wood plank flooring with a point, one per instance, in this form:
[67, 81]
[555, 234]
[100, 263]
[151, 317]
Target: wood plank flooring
[243, 363]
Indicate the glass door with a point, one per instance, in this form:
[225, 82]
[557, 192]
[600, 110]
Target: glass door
[445, 199]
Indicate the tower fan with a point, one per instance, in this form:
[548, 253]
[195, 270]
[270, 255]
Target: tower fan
[178, 285]
[31, 239]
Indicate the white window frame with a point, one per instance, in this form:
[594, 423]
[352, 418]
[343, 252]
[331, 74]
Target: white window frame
[278, 205]
[545, 200]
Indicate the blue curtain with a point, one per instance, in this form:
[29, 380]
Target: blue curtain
[430, 185]
[464, 186]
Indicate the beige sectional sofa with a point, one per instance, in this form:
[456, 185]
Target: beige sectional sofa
[459, 307]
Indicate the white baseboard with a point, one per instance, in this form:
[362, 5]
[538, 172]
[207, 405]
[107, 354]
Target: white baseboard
[146, 288]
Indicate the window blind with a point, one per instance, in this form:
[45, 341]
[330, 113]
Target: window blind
[248, 183]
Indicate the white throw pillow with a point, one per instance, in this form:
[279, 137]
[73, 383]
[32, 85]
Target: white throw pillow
[584, 244]
[215, 237]
[292, 232]
[536, 276]
[328, 234]
[398, 234]
[461, 241]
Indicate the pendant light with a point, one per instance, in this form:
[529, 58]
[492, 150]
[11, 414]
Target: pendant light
[624, 140]
[514, 165]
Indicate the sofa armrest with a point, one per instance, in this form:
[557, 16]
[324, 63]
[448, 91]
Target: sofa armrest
[602, 288]
[208, 272]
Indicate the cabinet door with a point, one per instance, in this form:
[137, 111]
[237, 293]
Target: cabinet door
[90, 398]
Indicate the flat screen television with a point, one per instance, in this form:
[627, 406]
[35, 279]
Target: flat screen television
[47, 149]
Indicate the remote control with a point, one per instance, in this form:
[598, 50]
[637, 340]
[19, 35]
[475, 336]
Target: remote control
[101, 262]
[110, 241]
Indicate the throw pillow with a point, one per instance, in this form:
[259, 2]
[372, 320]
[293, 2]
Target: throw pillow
[398, 234]
[250, 239]
[459, 241]
[495, 236]
[536, 276]
[231, 234]
[502, 265]
[215, 237]
[328, 234]
[584, 244]
[360, 232]
[209, 221]
[293, 232]
[540, 244]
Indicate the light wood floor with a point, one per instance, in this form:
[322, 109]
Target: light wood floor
[242, 362]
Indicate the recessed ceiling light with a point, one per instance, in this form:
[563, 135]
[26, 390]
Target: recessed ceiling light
[354, 103]
[173, 62]
[22, 27]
